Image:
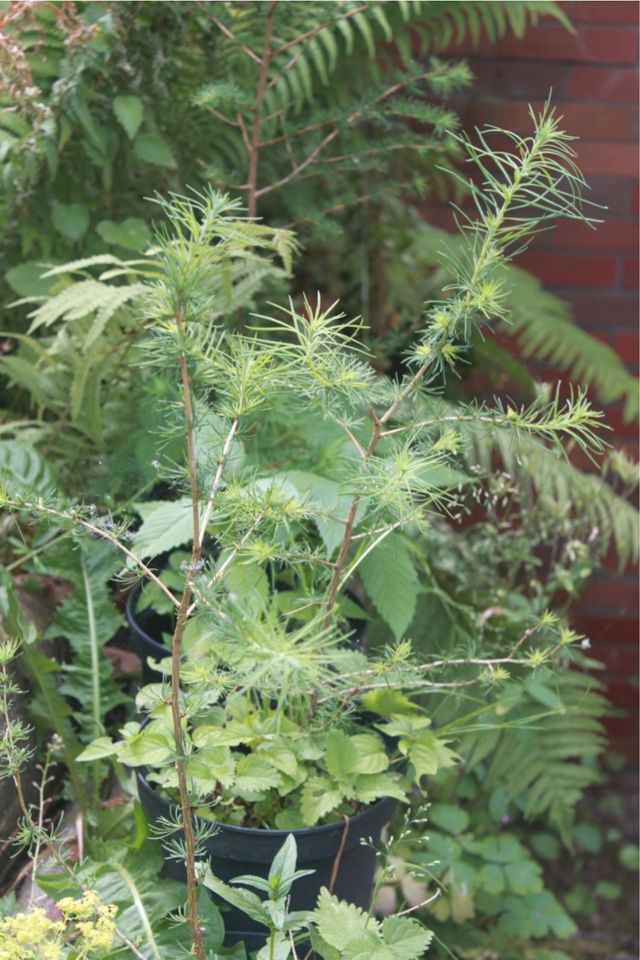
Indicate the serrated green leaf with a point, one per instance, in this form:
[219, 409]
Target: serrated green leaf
[70, 219]
[97, 749]
[319, 797]
[151, 148]
[408, 937]
[391, 582]
[254, 777]
[132, 233]
[129, 112]
[165, 526]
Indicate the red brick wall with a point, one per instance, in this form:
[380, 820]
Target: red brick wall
[594, 77]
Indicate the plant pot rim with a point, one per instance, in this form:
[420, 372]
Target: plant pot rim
[273, 832]
[133, 620]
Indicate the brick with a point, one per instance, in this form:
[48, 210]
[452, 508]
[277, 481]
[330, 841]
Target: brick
[602, 11]
[609, 636]
[623, 695]
[613, 235]
[603, 83]
[615, 594]
[596, 121]
[630, 274]
[615, 418]
[624, 731]
[634, 205]
[587, 45]
[611, 191]
[626, 346]
[509, 78]
[597, 157]
[567, 269]
[602, 310]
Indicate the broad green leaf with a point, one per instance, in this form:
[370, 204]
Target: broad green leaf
[129, 112]
[449, 817]
[371, 755]
[341, 756]
[492, 879]
[254, 777]
[408, 938]
[97, 749]
[145, 749]
[244, 900]
[70, 219]
[373, 786]
[132, 233]
[391, 582]
[151, 148]
[210, 766]
[319, 797]
[427, 753]
[166, 524]
[27, 279]
[340, 924]
[502, 849]
[524, 876]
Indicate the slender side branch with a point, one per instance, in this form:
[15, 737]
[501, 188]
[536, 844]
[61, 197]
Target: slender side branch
[217, 479]
[263, 77]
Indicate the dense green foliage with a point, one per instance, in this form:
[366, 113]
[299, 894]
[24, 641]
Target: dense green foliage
[323, 475]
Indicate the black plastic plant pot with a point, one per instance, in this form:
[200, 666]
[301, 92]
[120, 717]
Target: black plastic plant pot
[146, 629]
[234, 851]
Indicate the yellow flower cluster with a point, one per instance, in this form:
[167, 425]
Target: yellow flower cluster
[87, 924]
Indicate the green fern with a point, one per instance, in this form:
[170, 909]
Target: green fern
[545, 329]
[541, 764]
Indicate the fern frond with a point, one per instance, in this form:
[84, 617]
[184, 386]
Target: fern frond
[545, 329]
[544, 762]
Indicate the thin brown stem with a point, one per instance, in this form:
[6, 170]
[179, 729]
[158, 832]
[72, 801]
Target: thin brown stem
[254, 146]
[231, 36]
[301, 166]
[193, 914]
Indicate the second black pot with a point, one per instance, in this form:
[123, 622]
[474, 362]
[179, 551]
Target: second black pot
[147, 627]
[234, 851]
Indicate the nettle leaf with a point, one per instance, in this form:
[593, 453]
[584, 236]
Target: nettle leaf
[99, 748]
[254, 777]
[374, 786]
[132, 233]
[210, 766]
[70, 219]
[319, 797]
[129, 112]
[408, 938]
[370, 753]
[391, 582]
[342, 924]
[341, 756]
[166, 524]
[145, 748]
[151, 148]
[423, 748]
